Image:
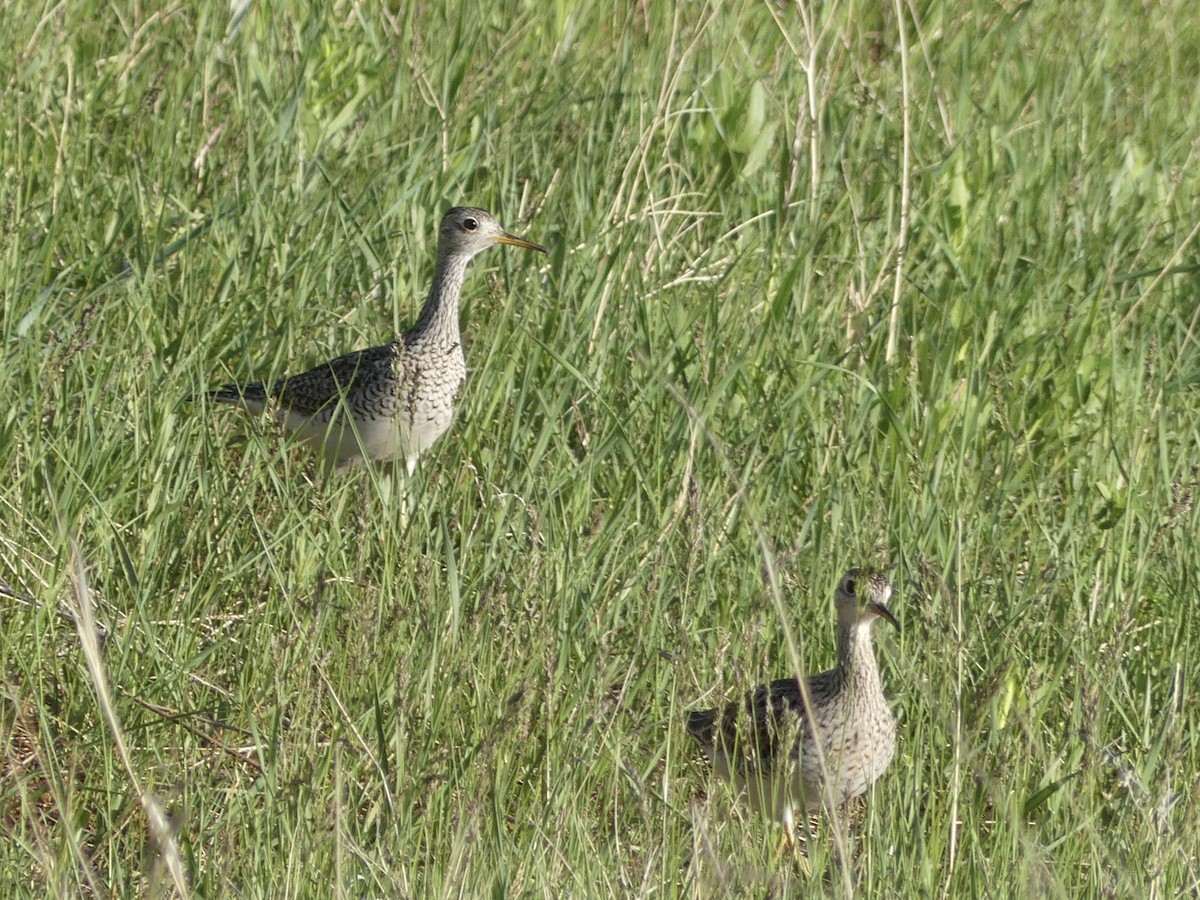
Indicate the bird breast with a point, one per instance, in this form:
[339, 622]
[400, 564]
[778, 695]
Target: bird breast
[426, 397]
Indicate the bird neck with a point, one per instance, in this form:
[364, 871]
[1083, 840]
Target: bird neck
[439, 316]
[856, 656]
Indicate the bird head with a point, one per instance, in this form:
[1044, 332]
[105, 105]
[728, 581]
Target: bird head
[862, 597]
[467, 230]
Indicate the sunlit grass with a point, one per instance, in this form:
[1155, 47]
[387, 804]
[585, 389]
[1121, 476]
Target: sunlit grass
[677, 431]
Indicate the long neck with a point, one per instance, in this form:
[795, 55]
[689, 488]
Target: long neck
[856, 656]
[439, 316]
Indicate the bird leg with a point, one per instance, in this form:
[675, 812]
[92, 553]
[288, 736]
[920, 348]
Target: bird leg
[787, 844]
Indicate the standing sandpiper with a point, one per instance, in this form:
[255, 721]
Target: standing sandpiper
[794, 748]
[392, 401]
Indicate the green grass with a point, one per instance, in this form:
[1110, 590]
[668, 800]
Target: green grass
[678, 430]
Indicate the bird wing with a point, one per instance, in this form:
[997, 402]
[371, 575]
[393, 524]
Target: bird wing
[765, 725]
[322, 387]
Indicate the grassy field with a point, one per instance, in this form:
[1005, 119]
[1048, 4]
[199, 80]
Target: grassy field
[829, 284]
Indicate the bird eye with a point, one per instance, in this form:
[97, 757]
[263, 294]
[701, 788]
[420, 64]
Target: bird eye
[470, 224]
[850, 586]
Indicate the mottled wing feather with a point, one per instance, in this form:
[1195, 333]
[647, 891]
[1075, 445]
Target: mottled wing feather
[700, 725]
[765, 725]
[770, 712]
[319, 389]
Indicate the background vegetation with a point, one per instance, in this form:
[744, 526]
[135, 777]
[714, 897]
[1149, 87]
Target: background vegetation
[829, 284]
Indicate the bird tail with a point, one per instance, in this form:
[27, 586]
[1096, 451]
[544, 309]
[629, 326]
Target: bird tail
[701, 725]
[253, 393]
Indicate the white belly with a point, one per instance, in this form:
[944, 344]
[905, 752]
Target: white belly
[346, 442]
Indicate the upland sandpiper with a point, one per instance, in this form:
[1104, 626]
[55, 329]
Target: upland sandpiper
[792, 754]
[393, 401]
